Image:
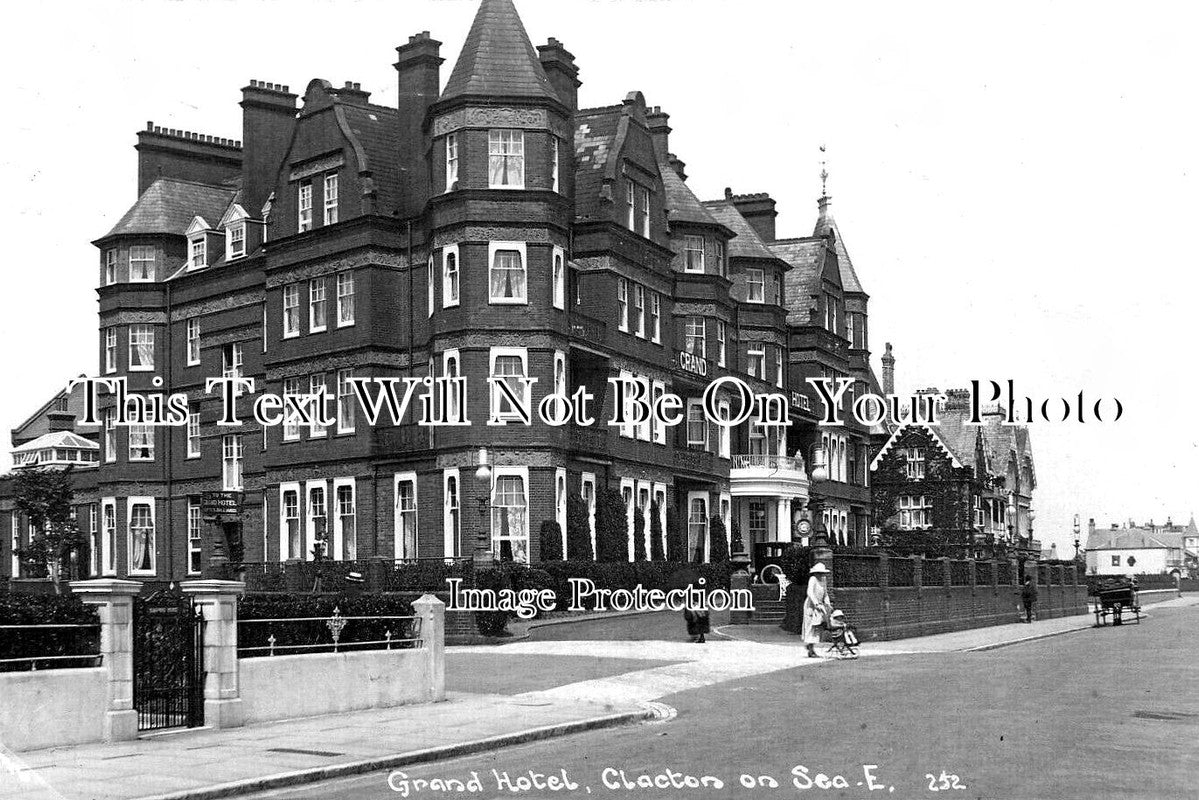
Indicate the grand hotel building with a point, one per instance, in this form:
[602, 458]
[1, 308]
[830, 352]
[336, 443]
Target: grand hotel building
[487, 227]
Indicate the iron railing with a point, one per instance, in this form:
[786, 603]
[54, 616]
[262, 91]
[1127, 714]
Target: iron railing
[49, 646]
[765, 461]
[335, 633]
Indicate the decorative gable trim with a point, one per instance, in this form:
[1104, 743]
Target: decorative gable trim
[932, 433]
[199, 225]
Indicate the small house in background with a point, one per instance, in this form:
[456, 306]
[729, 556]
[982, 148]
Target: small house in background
[1147, 549]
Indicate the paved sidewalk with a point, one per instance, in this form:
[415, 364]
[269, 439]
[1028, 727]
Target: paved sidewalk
[205, 763]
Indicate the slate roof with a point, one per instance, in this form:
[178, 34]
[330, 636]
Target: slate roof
[595, 138]
[497, 58]
[824, 224]
[1134, 539]
[959, 437]
[169, 205]
[747, 243]
[681, 203]
[806, 257]
[377, 129]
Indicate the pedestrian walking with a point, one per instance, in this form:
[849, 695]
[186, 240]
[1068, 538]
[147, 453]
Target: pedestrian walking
[1028, 595]
[698, 623]
[816, 607]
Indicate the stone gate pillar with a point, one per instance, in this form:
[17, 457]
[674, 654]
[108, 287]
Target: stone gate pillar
[217, 601]
[431, 612]
[113, 599]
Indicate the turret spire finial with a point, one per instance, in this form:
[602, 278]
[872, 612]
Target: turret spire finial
[823, 173]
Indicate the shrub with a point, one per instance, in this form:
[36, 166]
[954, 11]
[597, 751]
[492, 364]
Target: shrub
[718, 551]
[611, 528]
[26, 609]
[656, 550]
[639, 553]
[578, 529]
[738, 544]
[676, 545]
[551, 541]
[493, 623]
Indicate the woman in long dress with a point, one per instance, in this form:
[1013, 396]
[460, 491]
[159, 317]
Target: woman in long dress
[815, 607]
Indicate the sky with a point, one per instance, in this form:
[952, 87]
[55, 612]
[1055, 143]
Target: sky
[1015, 182]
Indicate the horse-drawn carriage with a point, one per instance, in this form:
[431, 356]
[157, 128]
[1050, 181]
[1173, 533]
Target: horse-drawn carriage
[1116, 597]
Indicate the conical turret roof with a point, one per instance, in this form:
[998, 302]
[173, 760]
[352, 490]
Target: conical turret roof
[497, 58]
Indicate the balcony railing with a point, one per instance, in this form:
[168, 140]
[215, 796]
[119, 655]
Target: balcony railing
[770, 462]
[587, 329]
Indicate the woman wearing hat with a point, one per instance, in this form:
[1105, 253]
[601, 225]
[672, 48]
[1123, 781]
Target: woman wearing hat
[815, 607]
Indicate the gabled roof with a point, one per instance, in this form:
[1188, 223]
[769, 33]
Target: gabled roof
[826, 224]
[1134, 539]
[62, 439]
[376, 129]
[497, 58]
[804, 279]
[169, 205]
[747, 243]
[933, 435]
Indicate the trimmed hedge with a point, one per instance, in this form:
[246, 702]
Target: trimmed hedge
[31, 609]
[303, 637]
[551, 541]
[578, 530]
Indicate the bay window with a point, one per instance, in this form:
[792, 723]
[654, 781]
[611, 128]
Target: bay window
[141, 348]
[507, 267]
[449, 276]
[506, 159]
[291, 544]
[510, 365]
[405, 515]
[452, 518]
[231, 455]
[693, 253]
[755, 284]
[141, 443]
[141, 263]
[451, 161]
[622, 303]
[142, 544]
[345, 536]
[345, 299]
[509, 514]
[291, 310]
[694, 335]
[317, 307]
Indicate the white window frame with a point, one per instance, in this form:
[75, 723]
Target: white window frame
[630, 196]
[639, 309]
[643, 210]
[110, 266]
[658, 430]
[721, 344]
[451, 161]
[696, 405]
[144, 274]
[559, 375]
[655, 315]
[455, 414]
[755, 285]
[232, 462]
[397, 541]
[585, 480]
[558, 277]
[494, 355]
[916, 466]
[109, 419]
[130, 503]
[778, 366]
[235, 240]
[148, 332]
[345, 402]
[291, 303]
[140, 431]
[340, 549]
[292, 387]
[493, 249]
[645, 431]
[691, 498]
[689, 335]
[510, 472]
[108, 535]
[628, 492]
[317, 382]
[724, 432]
[193, 341]
[193, 435]
[110, 349]
[690, 243]
[622, 304]
[513, 151]
[755, 361]
[310, 518]
[330, 189]
[451, 534]
[345, 299]
[721, 257]
[555, 163]
[451, 276]
[304, 206]
[318, 298]
[195, 536]
[93, 538]
[561, 492]
[285, 548]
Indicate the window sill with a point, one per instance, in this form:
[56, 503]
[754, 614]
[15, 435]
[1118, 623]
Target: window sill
[508, 301]
[349, 324]
[321, 329]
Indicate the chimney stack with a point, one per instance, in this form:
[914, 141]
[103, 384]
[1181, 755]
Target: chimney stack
[268, 119]
[758, 210]
[559, 66]
[418, 66]
[888, 371]
[659, 128]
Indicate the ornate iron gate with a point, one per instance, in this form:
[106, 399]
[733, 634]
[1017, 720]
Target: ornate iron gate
[168, 662]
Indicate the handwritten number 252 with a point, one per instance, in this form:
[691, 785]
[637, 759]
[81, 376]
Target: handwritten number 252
[943, 782]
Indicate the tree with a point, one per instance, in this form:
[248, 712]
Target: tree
[45, 496]
[611, 528]
[639, 553]
[676, 545]
[656, 550]
[551, 541]
[578, 529]
[718, 550]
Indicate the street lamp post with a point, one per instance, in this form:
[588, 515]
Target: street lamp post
[1076, 530]
[821, 550]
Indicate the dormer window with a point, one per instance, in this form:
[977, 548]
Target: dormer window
[235, 242]
[331, 198]
[693, 253]
[506, 159]
[198, 250]
[305, 206]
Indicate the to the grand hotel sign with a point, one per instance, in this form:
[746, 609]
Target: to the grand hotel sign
[221, 505]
